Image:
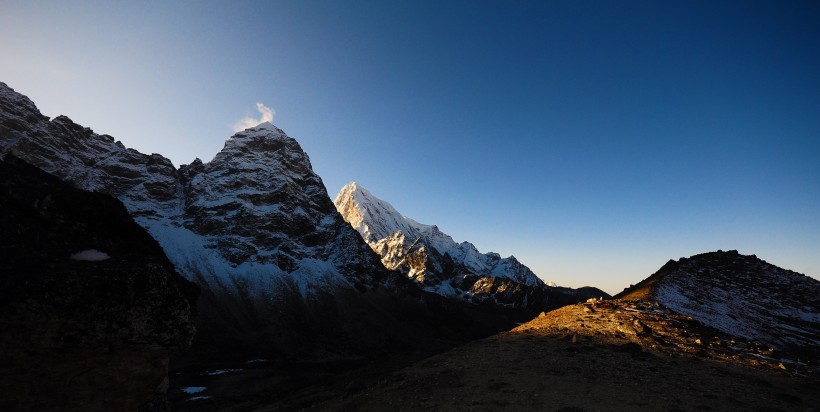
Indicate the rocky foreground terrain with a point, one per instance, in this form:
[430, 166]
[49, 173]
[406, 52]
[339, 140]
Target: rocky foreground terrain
[610, 355]
[603, 356]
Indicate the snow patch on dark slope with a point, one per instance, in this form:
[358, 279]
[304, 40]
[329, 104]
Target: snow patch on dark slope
[440, 265]
[741, 295]
[282, 274]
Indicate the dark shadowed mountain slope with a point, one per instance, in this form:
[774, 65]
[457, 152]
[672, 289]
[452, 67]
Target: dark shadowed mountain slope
[91, 310]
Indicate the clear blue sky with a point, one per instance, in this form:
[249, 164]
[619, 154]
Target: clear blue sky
[594, 140]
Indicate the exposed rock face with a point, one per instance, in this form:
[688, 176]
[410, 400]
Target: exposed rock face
[740, 295]
[91, 310]
[440, 265]
[283, 276]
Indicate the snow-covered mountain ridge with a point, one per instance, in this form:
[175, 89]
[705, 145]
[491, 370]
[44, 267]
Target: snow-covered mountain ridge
[438, 263]
[383, 227]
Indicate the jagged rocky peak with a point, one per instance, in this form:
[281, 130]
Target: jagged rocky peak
[395, 236]
[17, 113]
[259, 201]
[256, 144]
[741, 295]
[372, 217]
[146, 184]
[268, 150]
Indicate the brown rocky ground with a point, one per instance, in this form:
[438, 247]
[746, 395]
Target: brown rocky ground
[602, 356]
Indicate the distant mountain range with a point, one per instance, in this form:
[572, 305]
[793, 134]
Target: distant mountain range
[282, 274]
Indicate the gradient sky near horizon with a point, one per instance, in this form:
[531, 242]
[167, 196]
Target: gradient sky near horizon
[593, 140]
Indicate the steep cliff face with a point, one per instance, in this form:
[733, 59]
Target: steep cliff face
[282, 275]
[741, 295]
[440, 265]
[91, 310]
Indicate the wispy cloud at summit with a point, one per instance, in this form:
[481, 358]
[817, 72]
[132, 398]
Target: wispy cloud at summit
[266, 116]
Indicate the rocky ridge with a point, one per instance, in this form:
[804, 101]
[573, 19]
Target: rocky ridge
[440, 265]
[740, 295]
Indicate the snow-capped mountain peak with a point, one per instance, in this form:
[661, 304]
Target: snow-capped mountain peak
[267, 125]
[377, 219]
[394, 235]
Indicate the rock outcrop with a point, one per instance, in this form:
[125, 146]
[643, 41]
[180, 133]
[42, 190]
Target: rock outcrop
[740, 295]
[91, 310]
